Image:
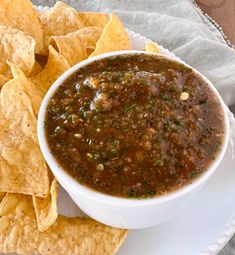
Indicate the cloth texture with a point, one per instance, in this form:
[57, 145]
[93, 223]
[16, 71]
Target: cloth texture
[178, 26]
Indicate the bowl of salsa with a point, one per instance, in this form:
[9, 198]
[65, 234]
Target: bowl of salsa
[132, 135]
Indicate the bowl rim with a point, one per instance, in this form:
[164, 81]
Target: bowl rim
[70, 184]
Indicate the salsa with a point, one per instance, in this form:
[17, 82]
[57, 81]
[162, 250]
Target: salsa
[134, 125]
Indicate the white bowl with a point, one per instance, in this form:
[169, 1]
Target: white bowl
[116, 211]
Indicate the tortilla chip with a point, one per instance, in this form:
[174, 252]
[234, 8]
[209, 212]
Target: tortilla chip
[22, 166]
[77, 46]
[114, 37]
[4, 79]
[16, 47]
[46, 208]
[152, 47]
[2, 195]
[36, 69]
[34, 93]
[19, 233]
[94, 19]
[60, 20]
[21, 15]
[55, 66]
[37, 86]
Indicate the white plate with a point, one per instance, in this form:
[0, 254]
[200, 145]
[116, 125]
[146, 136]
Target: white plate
[201, 228]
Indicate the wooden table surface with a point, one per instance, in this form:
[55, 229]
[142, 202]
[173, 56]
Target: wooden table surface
[223, 12]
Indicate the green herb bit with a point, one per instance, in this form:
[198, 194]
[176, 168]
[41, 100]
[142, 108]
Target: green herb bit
[166, 97]
[173, 87]
[216, 150]
[129, 108]
[192, 174]
[146, 181]
[168, 125]
[202, 101]
[150, 108]
[132, 193]
[178, 123]
[150, 193]
[172, 124]
[158, 162]
[114, 145]
[78, 170]
[46, 124]
[80, 180]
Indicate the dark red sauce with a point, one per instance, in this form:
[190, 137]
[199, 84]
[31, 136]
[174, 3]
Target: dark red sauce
[134, 125]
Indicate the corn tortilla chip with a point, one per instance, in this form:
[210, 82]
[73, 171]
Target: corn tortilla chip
[60, 20]
[21, 15]
[55, 66]
[94, 19]
[114, 37]
[36, 69]
[46, 208]
[30, 88]
[83, 40]
[4, 79]
[37, 86]
[2, 195]
[19, 233]
[22, 166]
[152, 47]
[18, 48]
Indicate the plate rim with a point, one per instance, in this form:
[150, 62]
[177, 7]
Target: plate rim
[215, 247]
[229, 230]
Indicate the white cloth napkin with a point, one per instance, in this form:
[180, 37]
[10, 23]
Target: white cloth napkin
[178, 26]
